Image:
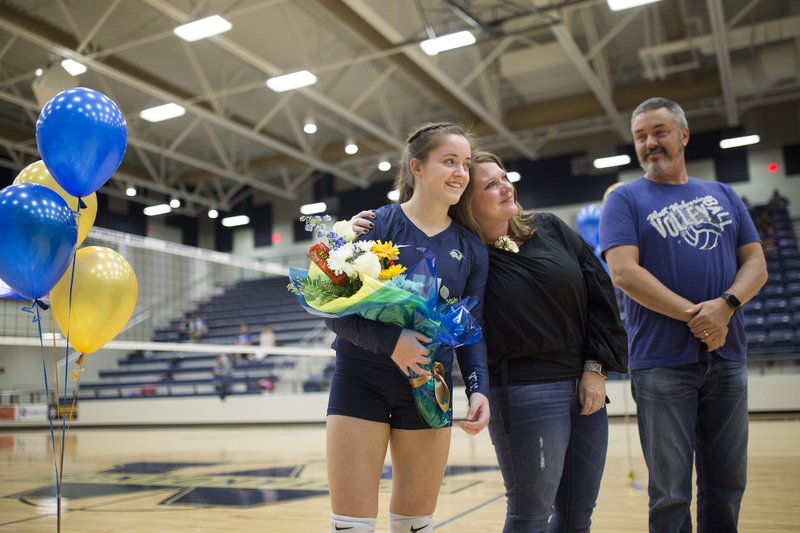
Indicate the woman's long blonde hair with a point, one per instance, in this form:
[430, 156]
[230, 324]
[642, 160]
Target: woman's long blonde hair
[421, 142]
[520, 226]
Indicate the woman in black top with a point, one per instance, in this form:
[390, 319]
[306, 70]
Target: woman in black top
[552, 331]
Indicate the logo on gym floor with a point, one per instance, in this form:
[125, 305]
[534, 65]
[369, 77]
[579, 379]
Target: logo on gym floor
[245, 488]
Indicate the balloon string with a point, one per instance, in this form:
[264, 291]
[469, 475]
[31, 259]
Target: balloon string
[77, 212]
[34, 309]
[81, 361]
[55, 361]
[66, 367]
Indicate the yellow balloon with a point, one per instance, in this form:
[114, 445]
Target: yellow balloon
[38, 173]
[104, 295]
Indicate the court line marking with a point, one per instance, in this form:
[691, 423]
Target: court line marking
[468, 511]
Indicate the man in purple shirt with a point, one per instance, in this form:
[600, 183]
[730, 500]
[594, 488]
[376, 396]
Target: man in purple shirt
[686, 254]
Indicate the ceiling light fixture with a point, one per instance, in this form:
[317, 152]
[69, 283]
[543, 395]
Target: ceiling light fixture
[73, 67]
[162, 112]
[213, 213]
[351, 147]
[384, 166]
[175, 203]
[513, 176]
[735, 142]
[619, 5]
[237, 220]
[295, 80]
[131, 191]
[393, 195]
[310, 126]
[203, 28]
[447, 42]
[155, 210]
[613, 161]
[313, 209]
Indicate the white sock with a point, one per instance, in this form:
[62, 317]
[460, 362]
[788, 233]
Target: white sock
[352, 524]
[410, 524]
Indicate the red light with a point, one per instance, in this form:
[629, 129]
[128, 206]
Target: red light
[773, 167]
[276, 238]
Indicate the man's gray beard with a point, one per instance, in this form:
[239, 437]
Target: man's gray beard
[656, 168]
[659, 167]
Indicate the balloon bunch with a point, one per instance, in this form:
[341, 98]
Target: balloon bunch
[47, 213]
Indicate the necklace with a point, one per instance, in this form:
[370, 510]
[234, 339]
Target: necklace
[504, 242]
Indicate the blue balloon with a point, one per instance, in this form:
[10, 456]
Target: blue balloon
[39, 238]
[82, 137]
[588, 223]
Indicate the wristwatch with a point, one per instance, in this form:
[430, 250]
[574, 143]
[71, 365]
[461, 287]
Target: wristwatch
[732, 301]
[596, 367]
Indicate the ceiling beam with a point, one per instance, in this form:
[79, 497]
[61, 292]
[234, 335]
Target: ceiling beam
[269, 69]
[595, 84]
[183, 158]
[63, 45]
[720, 33]
[373, 29]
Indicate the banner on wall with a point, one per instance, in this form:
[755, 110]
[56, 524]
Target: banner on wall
[32, 411]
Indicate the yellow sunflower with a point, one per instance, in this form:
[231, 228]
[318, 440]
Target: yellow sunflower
[385, 250]
[391, 272]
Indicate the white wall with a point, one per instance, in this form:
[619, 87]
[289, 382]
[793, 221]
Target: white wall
[772, 393]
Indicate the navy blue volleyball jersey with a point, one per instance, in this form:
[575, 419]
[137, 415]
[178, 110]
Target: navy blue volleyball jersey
[461, 265]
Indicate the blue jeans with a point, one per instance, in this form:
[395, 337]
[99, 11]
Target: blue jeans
[686, 412]
[552, 459]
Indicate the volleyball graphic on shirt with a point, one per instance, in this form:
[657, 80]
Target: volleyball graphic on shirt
[703, 236]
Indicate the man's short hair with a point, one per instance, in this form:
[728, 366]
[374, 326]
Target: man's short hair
[658, 103]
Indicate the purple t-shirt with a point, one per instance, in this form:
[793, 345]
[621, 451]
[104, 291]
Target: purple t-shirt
[687, 236]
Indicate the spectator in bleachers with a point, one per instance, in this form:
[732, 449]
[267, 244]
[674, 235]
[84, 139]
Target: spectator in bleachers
[197, 328]
[766, 231]
[183, 327]
[266, 339]
[244, 338]
[777, 200]
[747, 204]
[192, 328]
[222, 375]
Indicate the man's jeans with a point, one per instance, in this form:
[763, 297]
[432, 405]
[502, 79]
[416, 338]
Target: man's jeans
[552, 456]
[686, 411]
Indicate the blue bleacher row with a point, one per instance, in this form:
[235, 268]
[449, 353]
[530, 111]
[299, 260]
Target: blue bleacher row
[772, 318]
[177, 374]
[252, 302]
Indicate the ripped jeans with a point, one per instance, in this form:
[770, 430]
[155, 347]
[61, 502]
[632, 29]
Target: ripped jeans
[552, 459]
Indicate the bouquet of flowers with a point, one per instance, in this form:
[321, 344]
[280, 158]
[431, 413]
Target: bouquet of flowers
[363, 277]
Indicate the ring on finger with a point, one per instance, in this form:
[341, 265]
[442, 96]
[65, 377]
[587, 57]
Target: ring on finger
[706, 333]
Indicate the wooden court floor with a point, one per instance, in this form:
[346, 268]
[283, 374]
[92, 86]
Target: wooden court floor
[273, 479]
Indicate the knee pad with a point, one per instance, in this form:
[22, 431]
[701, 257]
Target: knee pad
[352, 524]
[410, 524]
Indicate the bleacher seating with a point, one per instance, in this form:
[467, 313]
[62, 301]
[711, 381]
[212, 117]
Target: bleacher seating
[174, 374]
[253, 302]
[772, 318]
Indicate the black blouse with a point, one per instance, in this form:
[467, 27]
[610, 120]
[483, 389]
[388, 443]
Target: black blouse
[550, 307]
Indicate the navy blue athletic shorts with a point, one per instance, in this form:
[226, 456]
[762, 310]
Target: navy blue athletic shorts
[373, 390]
